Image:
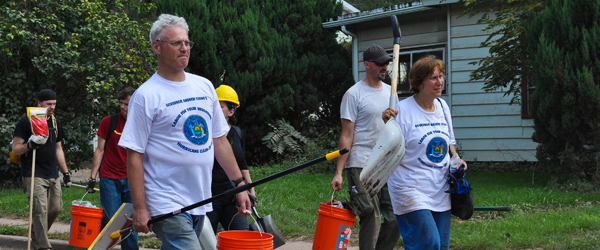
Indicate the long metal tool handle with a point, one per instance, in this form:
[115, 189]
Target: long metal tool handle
[507, 209]
[236, 190]
[83, 187]
[397, 40]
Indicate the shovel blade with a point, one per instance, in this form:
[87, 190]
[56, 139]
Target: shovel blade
[384, 159]
[270, 227]
[207, 238]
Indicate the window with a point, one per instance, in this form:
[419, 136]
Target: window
[527, 89]
[405, 61]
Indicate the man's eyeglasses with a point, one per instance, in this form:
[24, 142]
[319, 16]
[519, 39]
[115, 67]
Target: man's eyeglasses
[380, 64]
[436, 78]
[178, 44]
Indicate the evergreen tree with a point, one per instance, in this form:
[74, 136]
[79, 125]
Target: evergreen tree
[275, 54]
[564, 42]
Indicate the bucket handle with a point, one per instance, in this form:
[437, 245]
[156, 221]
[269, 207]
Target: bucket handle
[260, 229]
[331, 201]
[332, 194]
[79, 207]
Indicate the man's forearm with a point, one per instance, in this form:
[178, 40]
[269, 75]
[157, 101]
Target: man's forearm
[60, 158]
[97, 160]
[98, 155]
[135, 178]
[19, 146]
[341, 164]
[345, 142]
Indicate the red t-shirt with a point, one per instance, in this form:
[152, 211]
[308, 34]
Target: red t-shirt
[114, 161]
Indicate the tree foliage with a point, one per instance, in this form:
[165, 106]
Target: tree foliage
[508, 62]
[564, 43]
[284, 138]
[86, 51]
[275, 54]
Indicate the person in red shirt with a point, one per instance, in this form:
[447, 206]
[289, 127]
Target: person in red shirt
[110, 161]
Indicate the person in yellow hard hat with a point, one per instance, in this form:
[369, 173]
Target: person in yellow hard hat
[225, 210]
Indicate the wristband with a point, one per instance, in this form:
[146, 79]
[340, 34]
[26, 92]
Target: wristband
[237, 182]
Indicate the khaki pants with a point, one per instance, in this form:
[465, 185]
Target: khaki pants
[47, 205]
[373, 233]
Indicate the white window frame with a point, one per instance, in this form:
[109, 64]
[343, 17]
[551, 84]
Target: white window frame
[403, 73]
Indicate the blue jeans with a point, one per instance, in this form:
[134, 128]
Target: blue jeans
[424, 229]
[225, 212]
[179, 232]
[113, 193]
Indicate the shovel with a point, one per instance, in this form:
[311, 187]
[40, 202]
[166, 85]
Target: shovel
[267, 225]
[389, 148]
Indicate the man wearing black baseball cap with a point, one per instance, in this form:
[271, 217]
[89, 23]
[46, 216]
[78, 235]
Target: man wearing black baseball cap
[47, 196]
[361, 109]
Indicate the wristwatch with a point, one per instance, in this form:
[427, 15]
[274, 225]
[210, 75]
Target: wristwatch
[237, 182]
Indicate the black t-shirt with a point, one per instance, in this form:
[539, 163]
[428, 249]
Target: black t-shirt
[45, 155]
[238, 145]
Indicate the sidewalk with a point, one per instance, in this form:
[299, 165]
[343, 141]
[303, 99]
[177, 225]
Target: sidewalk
[9, 242]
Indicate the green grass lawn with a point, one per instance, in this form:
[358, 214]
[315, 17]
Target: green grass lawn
[14, 203]
[542, 217]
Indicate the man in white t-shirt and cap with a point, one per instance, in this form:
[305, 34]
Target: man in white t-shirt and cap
[360, 111]
[174, 131]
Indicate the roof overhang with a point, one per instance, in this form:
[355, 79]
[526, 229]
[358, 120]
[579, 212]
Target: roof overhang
[438, 2]
[364, 16]
[399, 9]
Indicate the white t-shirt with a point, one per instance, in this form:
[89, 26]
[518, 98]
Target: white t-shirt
[364, 105]
[173, 124]
[421, 179]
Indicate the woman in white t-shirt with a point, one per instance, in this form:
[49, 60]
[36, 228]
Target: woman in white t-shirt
[418, 185]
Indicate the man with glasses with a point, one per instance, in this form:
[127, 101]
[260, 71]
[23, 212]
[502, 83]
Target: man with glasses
[174, 131]
[361, 119]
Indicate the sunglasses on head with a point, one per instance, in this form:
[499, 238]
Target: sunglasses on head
[380, 64]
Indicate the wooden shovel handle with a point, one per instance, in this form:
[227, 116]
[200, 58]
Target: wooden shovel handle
[395, 71]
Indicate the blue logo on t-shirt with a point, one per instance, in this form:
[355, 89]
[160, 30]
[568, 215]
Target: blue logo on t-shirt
[196, 130]
[436, 149]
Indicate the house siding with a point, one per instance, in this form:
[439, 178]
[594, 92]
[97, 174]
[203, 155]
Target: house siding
[486, 126]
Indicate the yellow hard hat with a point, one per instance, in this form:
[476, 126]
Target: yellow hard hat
[227, 94]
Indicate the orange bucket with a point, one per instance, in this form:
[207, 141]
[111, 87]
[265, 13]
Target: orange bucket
[244, 240]
[334, 227]
[85, 225]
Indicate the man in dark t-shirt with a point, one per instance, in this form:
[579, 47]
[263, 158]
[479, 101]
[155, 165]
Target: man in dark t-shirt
[47, 196]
